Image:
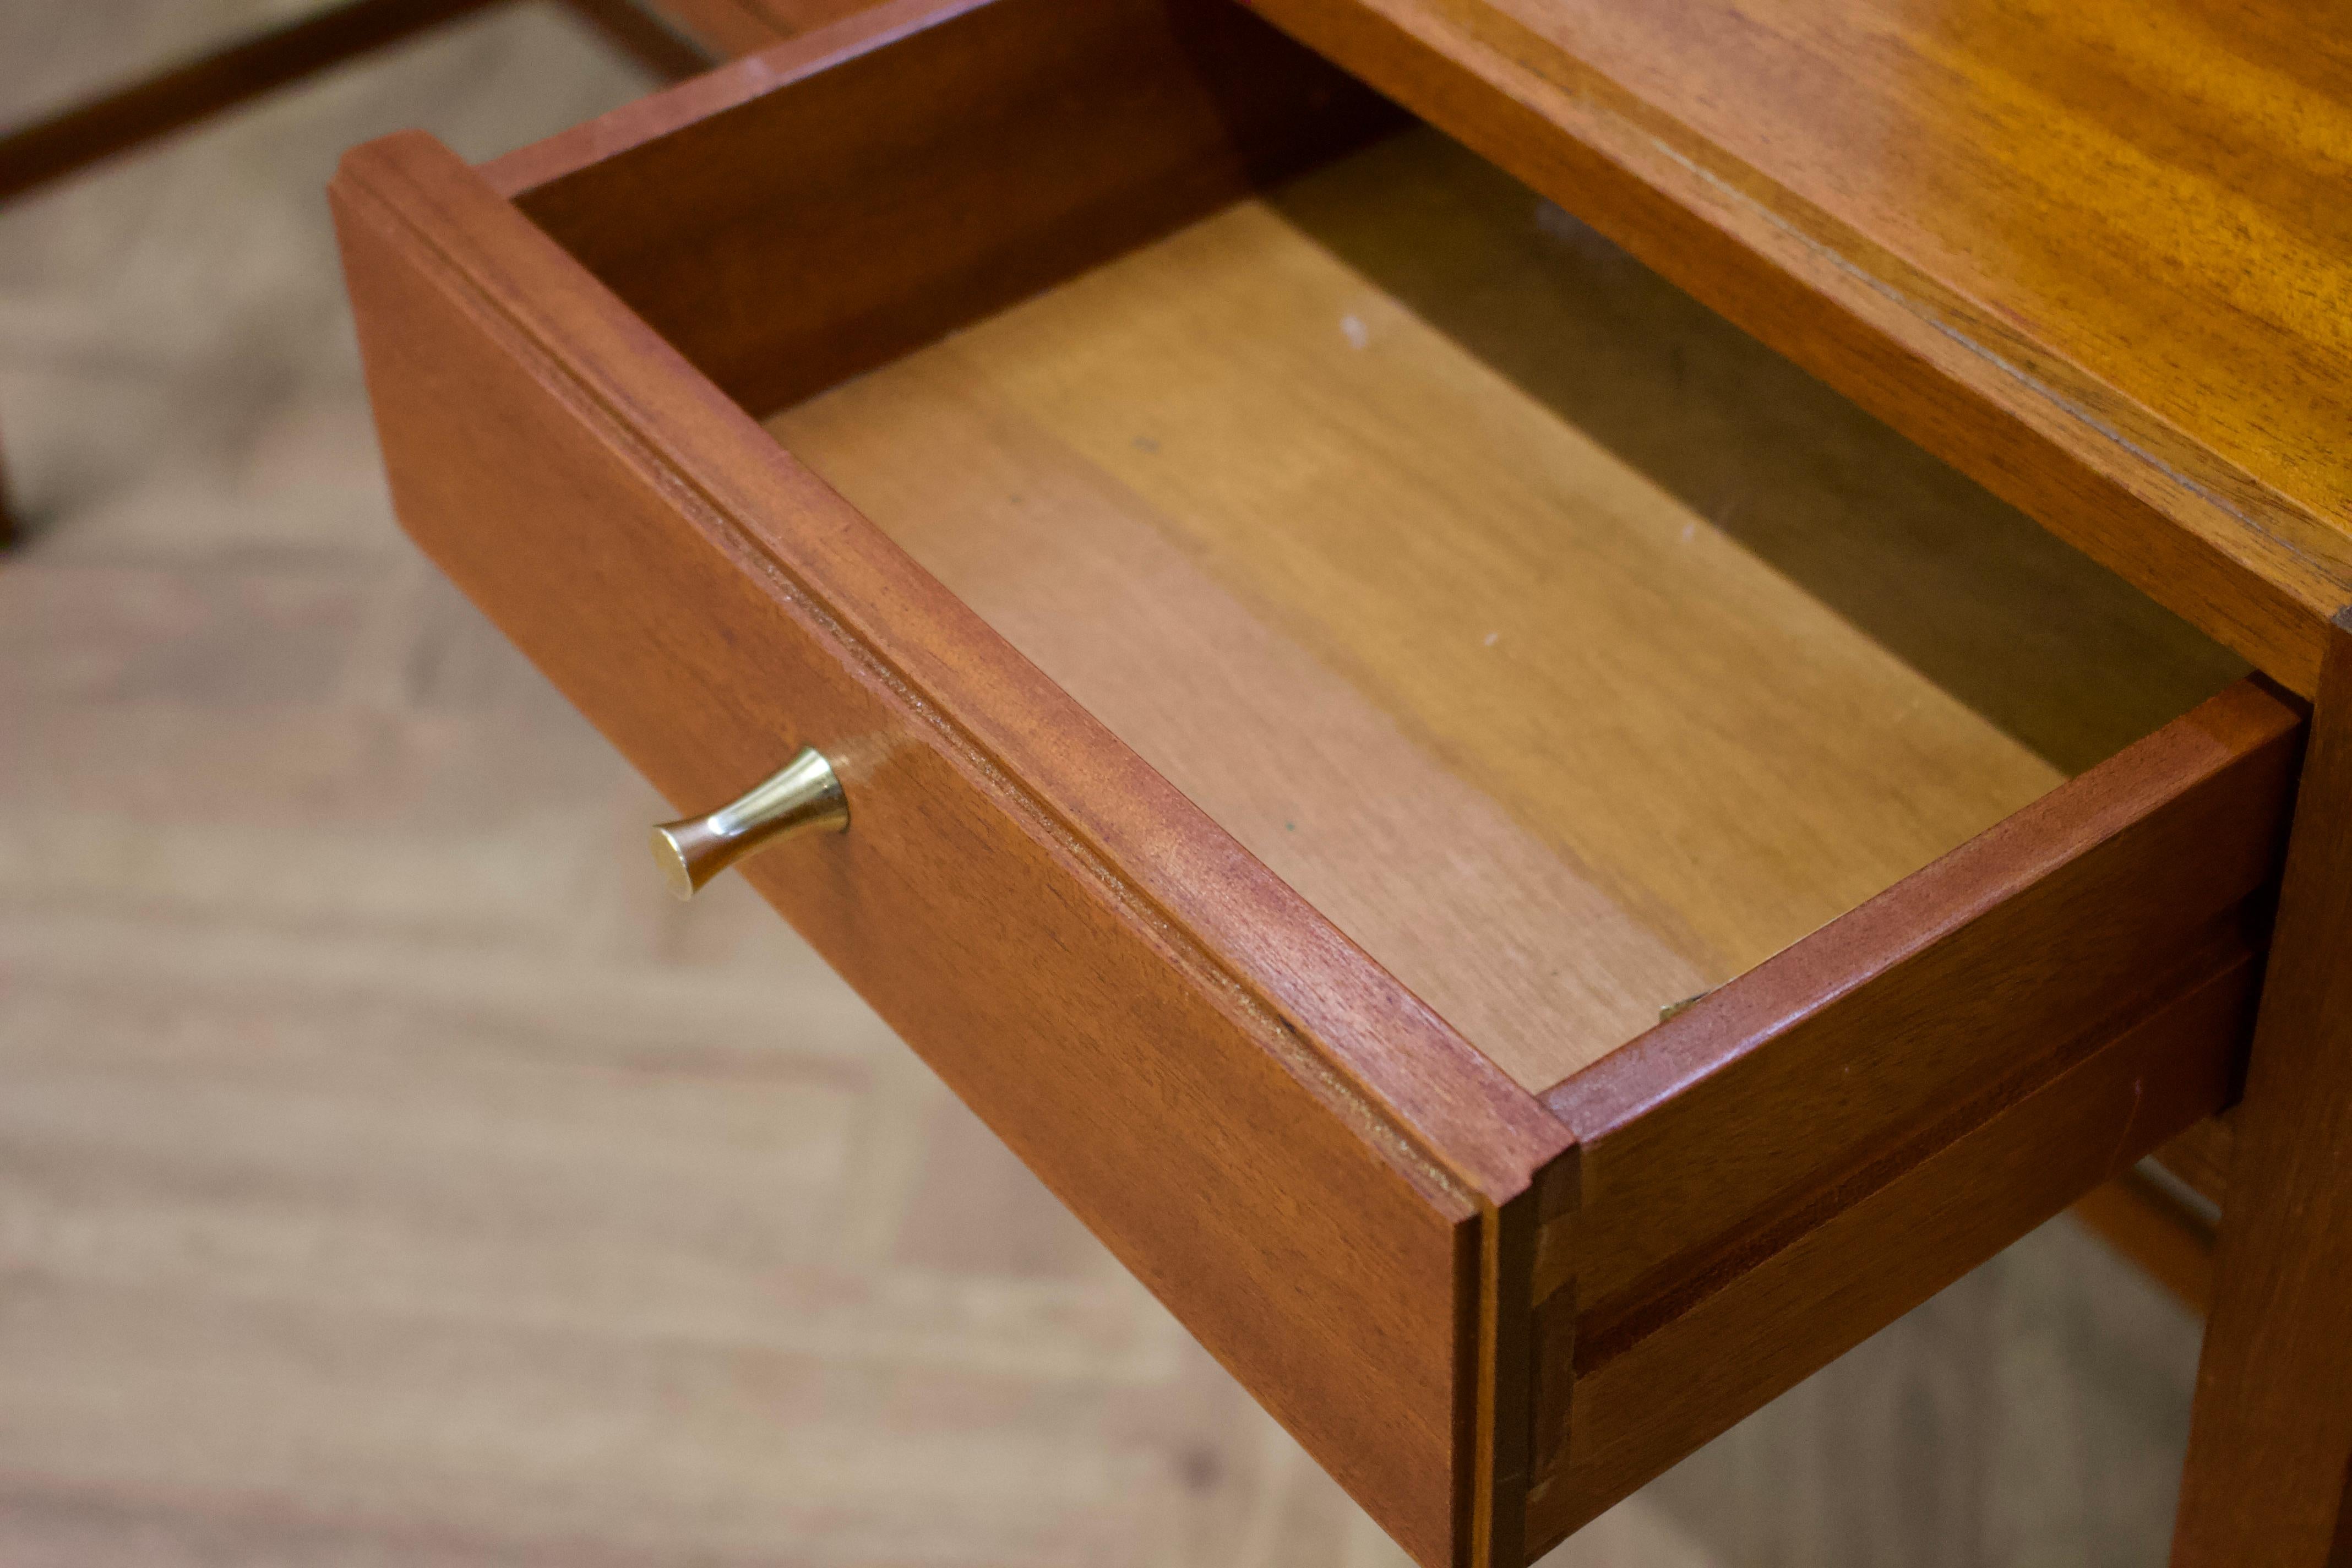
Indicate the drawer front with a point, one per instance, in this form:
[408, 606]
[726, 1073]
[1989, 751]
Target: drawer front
[653, 551]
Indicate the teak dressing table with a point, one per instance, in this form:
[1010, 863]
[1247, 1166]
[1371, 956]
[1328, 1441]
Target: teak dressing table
[1294, 651]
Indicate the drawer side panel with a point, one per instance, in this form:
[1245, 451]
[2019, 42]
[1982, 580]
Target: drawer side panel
[2082, 908]
[1887, 1250]
[806, 215]
[1825, 1142]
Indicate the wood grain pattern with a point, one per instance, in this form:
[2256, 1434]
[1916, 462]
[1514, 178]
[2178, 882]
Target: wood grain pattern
[1346, 564]
[2083, 298]
[1197, 1063]
[1444, 1089]
[2269, 1477]
[1484, 921]
[1721, 1157]
[880, 183]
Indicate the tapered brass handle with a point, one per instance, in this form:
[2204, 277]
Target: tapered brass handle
[802, 796]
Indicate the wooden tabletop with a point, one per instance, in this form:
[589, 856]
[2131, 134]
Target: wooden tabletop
[2097, 254]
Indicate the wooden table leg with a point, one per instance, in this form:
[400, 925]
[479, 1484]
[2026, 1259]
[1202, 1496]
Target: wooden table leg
[2270, 1444]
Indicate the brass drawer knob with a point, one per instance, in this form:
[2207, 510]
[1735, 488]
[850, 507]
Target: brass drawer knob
[800, 797]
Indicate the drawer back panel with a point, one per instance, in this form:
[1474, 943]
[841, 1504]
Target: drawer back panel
[796, 218]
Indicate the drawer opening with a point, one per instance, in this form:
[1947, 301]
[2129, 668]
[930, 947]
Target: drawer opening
[1570, 650]
[1567, 648]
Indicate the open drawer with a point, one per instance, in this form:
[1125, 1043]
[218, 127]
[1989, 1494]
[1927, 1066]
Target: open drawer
[1321, 650]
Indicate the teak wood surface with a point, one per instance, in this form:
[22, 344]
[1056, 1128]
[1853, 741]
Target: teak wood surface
[1396, 501]
[2094, 255]
[1492, 1281]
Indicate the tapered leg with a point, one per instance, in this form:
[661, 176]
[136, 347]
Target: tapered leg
[2270, 1446]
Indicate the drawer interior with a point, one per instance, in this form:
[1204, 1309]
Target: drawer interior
[1570, 650]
